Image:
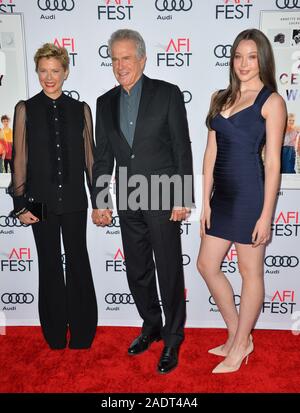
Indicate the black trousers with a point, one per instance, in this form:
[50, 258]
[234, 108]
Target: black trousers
[68, 301]
[142, 234]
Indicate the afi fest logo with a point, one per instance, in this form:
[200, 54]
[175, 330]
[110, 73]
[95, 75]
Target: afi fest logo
[69, 44]
[172, 6]
[7, 6]
[233, 9]
[229, 264]
[116, 10]
[281, 302]
[177, 53]
[117, 264]
[19, 259]
[286, 224]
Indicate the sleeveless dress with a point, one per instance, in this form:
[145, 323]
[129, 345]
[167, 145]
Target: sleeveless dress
[238, 192]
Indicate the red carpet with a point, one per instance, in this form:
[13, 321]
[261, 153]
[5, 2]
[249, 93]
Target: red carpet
[27, 365]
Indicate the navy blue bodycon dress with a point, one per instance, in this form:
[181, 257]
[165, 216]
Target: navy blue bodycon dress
[238, 191]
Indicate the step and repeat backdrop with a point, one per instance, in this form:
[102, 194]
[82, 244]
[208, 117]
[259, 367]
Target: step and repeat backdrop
[188, 43]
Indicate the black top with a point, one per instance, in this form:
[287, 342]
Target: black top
[52, 146]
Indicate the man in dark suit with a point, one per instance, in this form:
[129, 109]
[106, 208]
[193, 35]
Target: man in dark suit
[142, 125]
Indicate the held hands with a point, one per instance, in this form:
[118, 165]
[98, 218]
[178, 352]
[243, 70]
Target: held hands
[180, 214]
[205, 220]
[261, 233]
[102, 217]
[28, 218]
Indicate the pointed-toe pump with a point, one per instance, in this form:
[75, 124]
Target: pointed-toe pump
[219, 351]
[224, 368]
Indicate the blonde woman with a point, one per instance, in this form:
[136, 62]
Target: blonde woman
[52, 150]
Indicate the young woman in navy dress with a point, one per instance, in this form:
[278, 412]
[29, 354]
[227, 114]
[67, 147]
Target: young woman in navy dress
[239, 192]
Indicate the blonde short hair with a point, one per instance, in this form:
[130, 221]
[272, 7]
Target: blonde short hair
[49, 50]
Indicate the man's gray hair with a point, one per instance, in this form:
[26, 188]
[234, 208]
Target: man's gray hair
[127, 34]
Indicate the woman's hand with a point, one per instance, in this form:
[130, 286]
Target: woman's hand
[205, 220]
[28, 218]
[262, 232]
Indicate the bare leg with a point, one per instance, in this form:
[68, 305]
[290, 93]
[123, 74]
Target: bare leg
[211, 255]
[250, 262]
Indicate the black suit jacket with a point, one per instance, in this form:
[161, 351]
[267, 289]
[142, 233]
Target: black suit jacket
[161, 142]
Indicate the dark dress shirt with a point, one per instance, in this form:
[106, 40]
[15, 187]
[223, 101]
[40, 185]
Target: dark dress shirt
[129, 106]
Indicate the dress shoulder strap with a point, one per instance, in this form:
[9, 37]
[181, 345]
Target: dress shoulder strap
[262, 96]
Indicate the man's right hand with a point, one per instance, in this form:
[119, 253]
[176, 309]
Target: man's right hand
[102, 217]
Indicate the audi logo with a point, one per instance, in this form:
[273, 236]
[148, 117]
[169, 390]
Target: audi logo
[115, 222]
[17, 298]
[10, 222]
[119, 298]
[281, 261]
[72, 94]
[103, 52]
[173, 5]
[236, 298]
[288, 4]
[187, 96]
[222, 50]
[185, 259]
[56, 5]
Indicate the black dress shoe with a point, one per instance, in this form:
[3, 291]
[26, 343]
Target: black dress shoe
[142, 343]
[168, 360]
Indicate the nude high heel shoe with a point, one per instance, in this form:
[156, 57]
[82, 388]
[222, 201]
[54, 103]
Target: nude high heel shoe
[223, 368]
[218, 351]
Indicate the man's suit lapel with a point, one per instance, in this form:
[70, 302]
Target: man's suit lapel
[115, 110]
[146, 95]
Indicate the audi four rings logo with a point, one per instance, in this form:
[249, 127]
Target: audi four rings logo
[17, 298]
[103, 52]
[222, 50]
[56, 5]
[187, 96]
[115, 222]
[118, 298]
[281, 261]
[173, 5]
[10, 222]
[288, 4]
[72, 94]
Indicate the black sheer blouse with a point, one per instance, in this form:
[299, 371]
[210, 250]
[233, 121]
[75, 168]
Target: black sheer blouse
[52, 147]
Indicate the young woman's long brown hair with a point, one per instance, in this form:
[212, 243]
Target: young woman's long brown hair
[227, 97]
